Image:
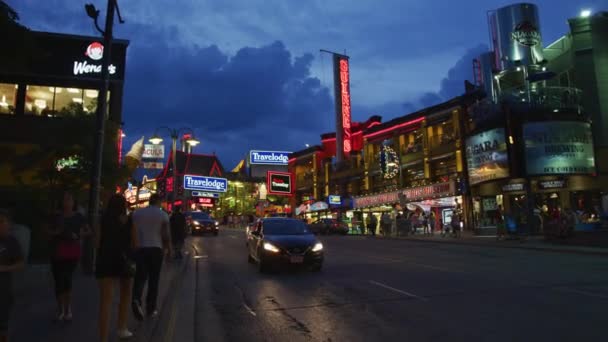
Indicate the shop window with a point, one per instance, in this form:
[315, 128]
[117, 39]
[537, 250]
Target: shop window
[443, 134]
[59, 101]
[414, 175]
[413, 142]
[487, 211]
[443, 169]
[587, 207]
[8, 98]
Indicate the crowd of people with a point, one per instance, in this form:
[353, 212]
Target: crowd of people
[130, 249]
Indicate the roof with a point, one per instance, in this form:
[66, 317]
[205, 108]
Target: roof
[193, 164]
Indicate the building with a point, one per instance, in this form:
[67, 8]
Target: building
[533, 144]
[188, 164]
[48, 101]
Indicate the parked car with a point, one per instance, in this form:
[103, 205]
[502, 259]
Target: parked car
[200, 222]
[329, 226]
[283, 241]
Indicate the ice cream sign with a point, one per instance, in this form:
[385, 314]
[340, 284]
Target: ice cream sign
[94, 53]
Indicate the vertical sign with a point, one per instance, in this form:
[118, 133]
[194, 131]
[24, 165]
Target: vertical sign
[343, 106]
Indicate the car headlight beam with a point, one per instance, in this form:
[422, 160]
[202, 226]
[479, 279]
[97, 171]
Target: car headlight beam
[196, 223]
[318, 247]
[270, 247]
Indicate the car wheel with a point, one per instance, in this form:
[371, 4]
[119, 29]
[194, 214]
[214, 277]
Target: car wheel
[250, 259]
[317, 268]
[215, 233]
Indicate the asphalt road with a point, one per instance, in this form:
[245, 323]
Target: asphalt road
[392, 290]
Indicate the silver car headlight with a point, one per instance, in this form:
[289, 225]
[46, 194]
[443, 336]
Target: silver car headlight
[317, 247]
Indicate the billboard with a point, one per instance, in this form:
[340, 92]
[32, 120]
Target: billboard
[203, 183]
[152, 151]
[334, 200]
[559, 147]
[280, 183]
[487, 156]
[268, 158]
[343, 106]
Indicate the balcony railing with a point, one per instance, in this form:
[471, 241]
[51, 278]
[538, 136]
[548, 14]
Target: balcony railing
[550, 99]
[441, 140]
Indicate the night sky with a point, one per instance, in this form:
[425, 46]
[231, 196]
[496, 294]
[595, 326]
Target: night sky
[247, 74]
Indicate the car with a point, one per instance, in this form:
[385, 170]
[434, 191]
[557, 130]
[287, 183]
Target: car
[200, 222]
[278, 241]
[329, 226]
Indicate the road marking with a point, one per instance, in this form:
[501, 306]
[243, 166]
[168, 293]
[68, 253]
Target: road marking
[250, 310]
[232, 236]
[201, 256]
[591, 294]
[397, 290]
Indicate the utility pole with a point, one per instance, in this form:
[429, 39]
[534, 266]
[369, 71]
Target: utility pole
[102, 105]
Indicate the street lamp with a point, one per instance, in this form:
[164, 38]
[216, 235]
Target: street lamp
[174, 133]
[95, 183]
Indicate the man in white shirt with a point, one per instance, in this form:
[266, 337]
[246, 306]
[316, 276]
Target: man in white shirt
[152, 227]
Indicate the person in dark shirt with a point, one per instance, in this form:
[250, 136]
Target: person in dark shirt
[11, 260]
[178, 231]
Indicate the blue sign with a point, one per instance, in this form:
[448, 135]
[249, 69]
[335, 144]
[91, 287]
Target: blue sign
[203, 183]
[335, 200]
[268, 158]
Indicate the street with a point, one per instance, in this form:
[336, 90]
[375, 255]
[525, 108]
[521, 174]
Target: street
[377, 289]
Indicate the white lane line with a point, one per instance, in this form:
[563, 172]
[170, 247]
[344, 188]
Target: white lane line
[591, 294]
[397, 290]
[250, 310]
[201, 257]
[232, 236]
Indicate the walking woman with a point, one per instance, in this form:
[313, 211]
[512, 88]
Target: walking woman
[115, 245]
[69, 227]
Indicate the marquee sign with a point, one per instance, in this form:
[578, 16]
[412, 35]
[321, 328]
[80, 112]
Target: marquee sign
[203, 183]
[280, 183]
[152, 151]
[343, 105]
[408, 195]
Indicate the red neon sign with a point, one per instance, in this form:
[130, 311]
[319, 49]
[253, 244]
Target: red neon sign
[346, 115]
[204, 200]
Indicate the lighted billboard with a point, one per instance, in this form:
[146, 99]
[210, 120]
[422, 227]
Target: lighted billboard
[487, 156]
[559, 147]
[343, 105]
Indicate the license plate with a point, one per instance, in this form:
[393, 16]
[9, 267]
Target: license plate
[296, 259]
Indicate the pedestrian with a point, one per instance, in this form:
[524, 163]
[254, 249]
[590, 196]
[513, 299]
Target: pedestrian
[66, 233]
[114, 264]
[425, 223]
[432, 219]
[154, 238]
[230, 219]
[178, 231]
[373, 224]
[11, 260]
[386, 223]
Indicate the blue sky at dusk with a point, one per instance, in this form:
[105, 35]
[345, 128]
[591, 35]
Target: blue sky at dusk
[247, 74]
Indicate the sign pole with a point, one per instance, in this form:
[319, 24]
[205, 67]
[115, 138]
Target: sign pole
[102, 105]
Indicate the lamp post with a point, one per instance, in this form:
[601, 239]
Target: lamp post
[174, 133]
[95, 183]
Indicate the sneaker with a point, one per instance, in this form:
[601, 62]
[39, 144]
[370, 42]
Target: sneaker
[60, 317]
[68, 317]
[153, 313]
[138, 312]
[124, 334]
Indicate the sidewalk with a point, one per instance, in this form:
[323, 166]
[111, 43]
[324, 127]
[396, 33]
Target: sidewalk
[531, 243]
[32, 318]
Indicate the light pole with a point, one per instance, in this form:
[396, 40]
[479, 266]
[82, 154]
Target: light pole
[102, 105]
[174, 133]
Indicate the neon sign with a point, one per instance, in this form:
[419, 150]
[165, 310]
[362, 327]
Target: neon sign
[346, 115]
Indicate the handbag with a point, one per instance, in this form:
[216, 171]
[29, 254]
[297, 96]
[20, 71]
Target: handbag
[129, 267]
[68, 250]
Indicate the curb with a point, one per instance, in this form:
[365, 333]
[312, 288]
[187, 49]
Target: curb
[520, 246]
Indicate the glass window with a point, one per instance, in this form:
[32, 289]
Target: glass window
[414, 175]
[59, 101]
[443, 168]
[285, 227]
[8, 98]
[413, 142]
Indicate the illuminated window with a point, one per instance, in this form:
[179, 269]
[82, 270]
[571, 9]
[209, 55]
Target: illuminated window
[59, 101]
[8, 96]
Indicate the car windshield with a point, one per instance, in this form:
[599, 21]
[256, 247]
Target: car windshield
[201, 216]
[285, 227]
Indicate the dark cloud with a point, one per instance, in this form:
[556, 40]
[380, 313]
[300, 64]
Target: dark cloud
[453, 84]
